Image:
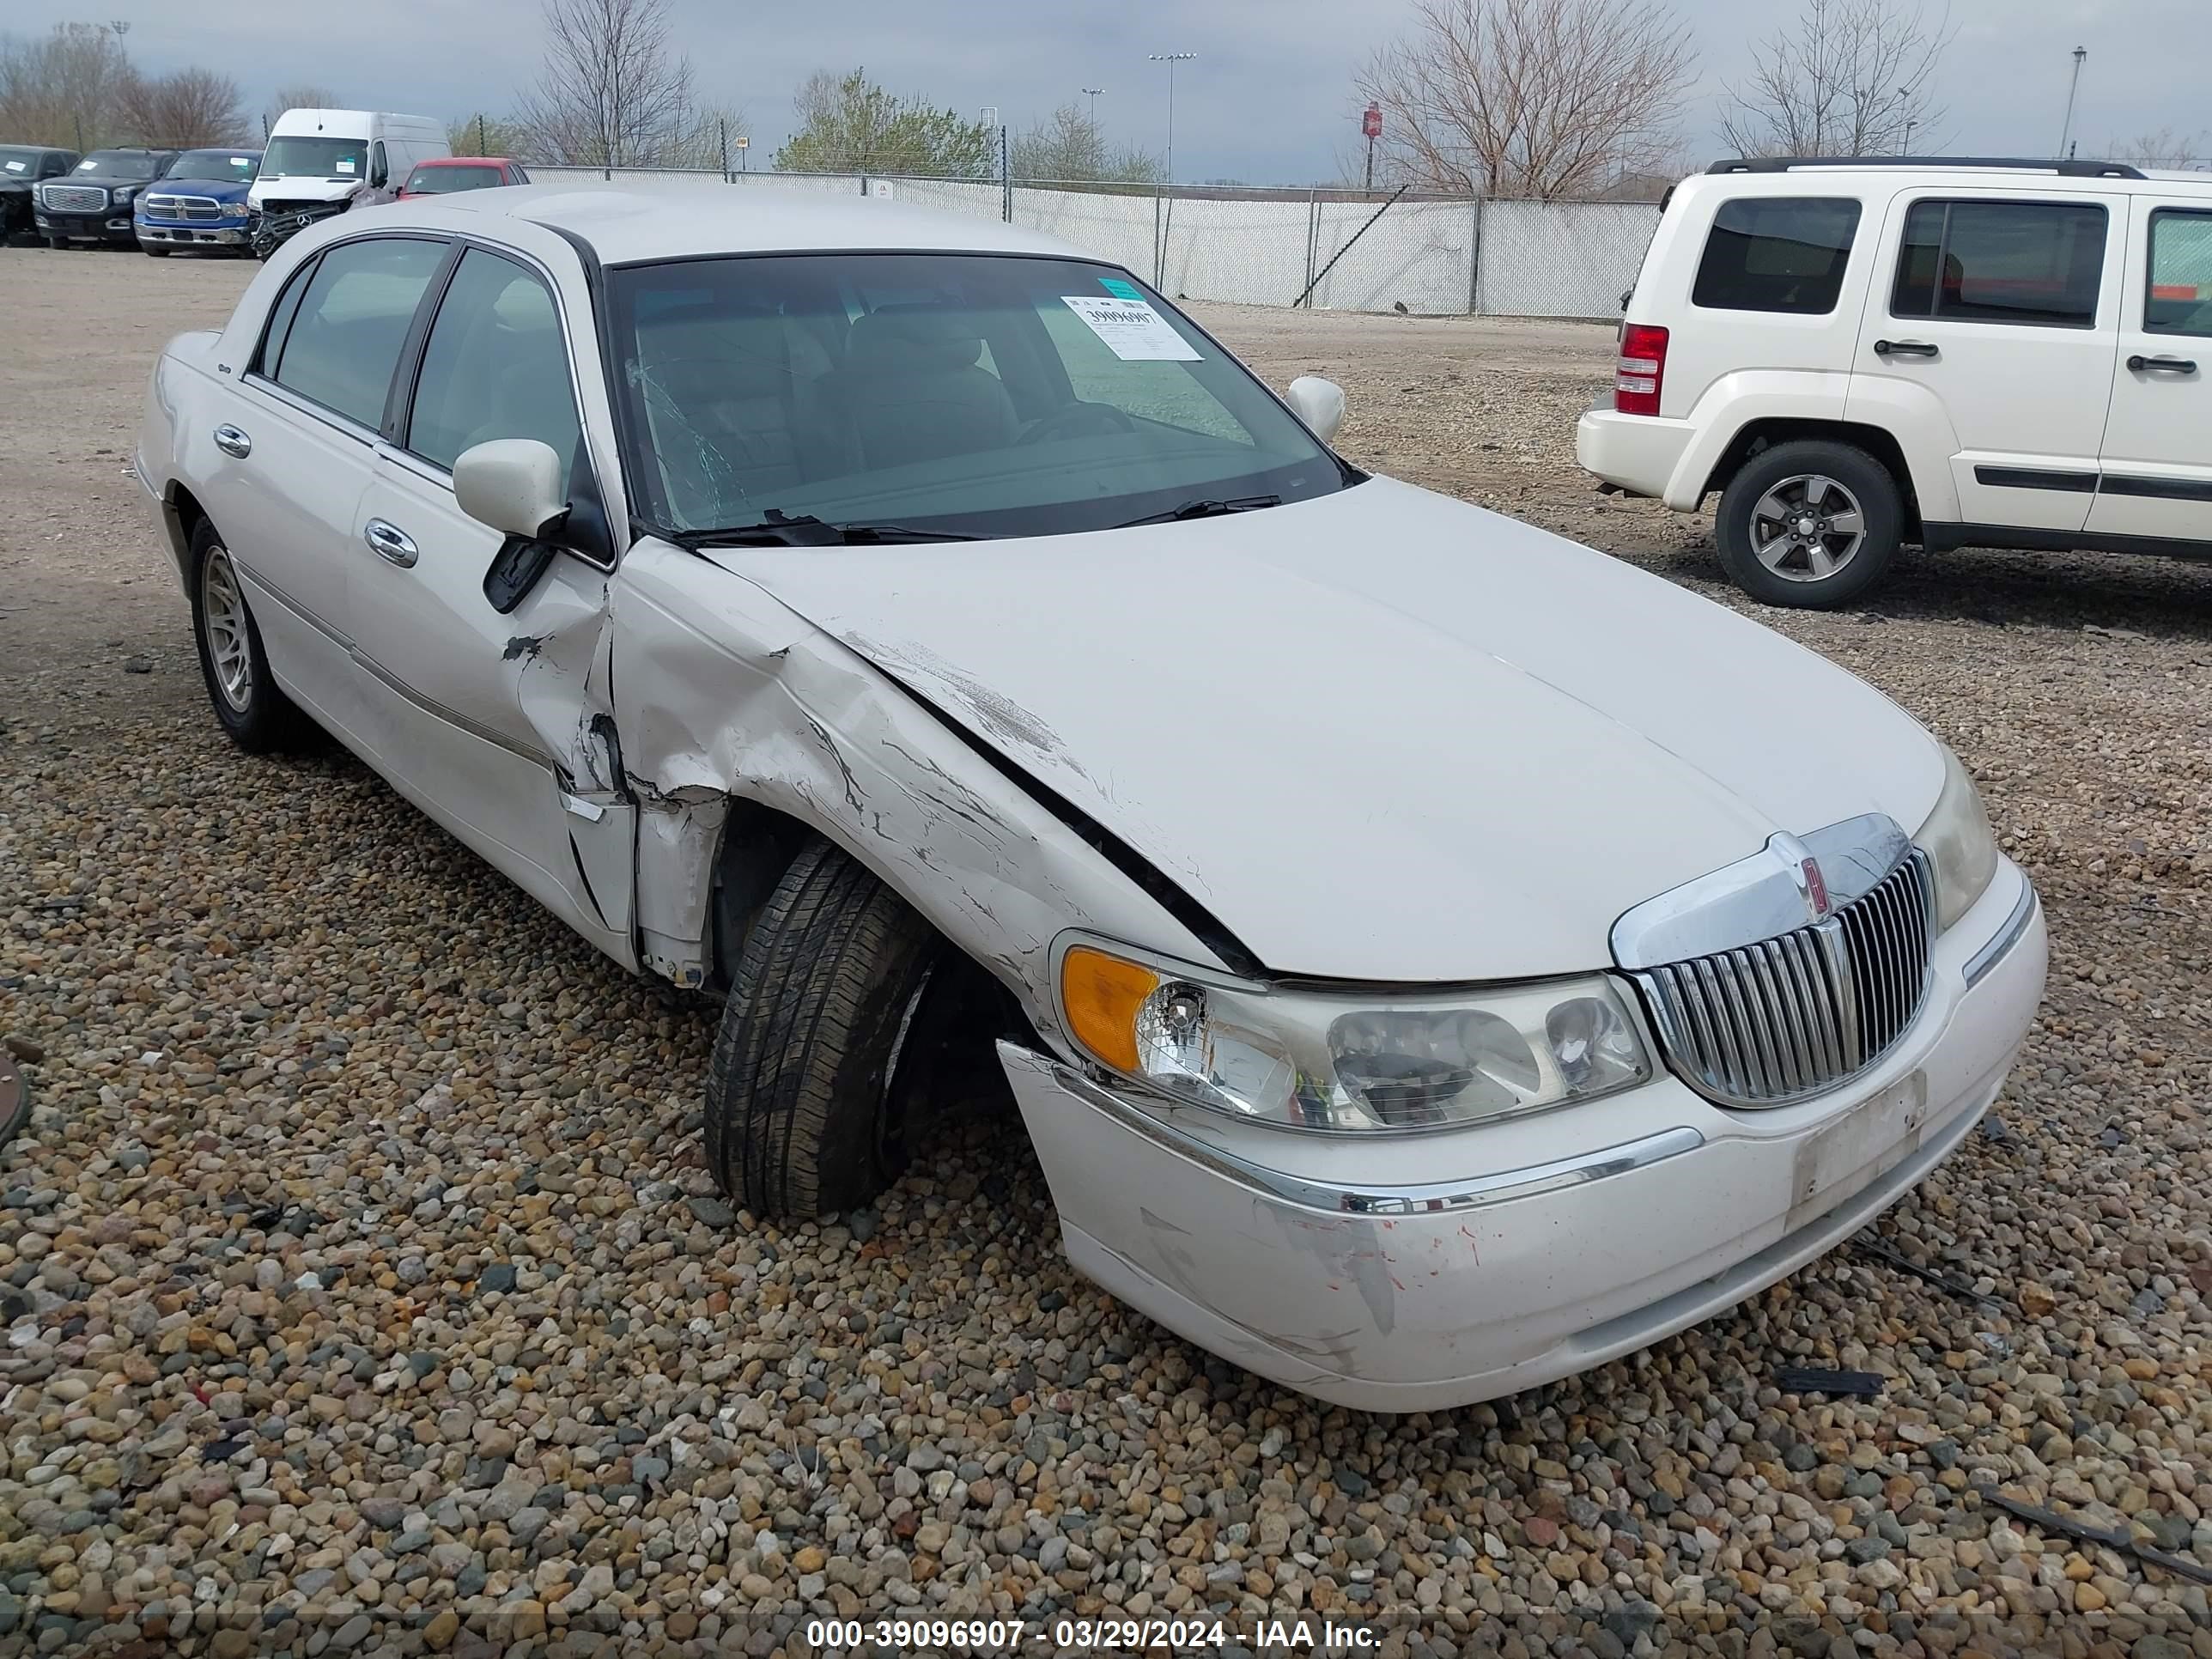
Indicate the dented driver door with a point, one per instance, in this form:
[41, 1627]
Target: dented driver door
[500, 727]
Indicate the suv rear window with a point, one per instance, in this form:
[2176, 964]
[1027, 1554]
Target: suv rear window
[1777, 253]
[2037, 263]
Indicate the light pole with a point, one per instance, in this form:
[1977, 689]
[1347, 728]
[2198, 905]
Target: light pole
[2075, 86]
[1171, 59]
[1906, 95]
[1092, 93]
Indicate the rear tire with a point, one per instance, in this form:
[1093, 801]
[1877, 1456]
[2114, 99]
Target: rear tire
[806, 1106]
[1811, 524]
[249, 705]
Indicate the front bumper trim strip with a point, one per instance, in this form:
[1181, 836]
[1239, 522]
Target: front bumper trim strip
[1979, 964]
[1469, 1192]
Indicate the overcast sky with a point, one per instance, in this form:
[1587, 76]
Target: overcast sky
[1268, 99]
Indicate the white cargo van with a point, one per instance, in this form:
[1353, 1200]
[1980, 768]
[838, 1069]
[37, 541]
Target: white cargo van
[317, 157]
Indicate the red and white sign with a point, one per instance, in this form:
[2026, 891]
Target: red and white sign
[1371, 122]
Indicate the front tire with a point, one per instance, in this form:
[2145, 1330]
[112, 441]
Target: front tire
[154, 253]
[248, 703]
[807, 1107]
[1810, 524]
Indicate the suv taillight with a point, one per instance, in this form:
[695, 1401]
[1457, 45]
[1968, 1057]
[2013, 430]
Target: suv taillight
[1642, 365]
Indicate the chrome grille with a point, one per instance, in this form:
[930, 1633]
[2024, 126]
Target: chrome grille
[74, 198]
[184, 207]
[1787, 1017]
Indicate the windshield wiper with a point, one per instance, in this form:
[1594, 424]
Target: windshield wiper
[1203, 507]
[804, 530]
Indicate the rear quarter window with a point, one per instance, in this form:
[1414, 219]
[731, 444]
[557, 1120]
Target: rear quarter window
[1785, 253]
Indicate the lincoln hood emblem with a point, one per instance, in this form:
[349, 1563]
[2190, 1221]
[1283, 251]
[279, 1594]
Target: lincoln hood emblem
[1805, 871]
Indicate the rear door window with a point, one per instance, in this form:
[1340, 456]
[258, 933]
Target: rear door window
[345, 338]
[2033, 262]
[1778, 253]
[2180, 297]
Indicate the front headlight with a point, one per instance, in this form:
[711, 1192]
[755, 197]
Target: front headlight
[121, 195]
[1346, 1061]
[1958, 841]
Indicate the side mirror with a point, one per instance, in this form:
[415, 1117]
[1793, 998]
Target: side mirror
[1319, 403]
[512, 484]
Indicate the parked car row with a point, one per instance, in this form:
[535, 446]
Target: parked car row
[233, 198]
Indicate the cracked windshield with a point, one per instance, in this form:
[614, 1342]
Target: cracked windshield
[948, 395]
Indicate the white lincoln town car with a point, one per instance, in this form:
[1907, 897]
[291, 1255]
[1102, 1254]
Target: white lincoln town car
[1429, 957]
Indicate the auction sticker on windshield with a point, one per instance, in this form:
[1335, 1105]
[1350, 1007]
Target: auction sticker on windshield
[1131, 328]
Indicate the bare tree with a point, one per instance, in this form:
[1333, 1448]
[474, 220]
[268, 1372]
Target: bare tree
[181, 110]
[2165, 148]
[1849, 78]
[1549, 99]
[1068, 146]
[299, 94]
[60, 88]
[612, 91]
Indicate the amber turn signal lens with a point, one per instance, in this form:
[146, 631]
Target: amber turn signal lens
[1100, 996]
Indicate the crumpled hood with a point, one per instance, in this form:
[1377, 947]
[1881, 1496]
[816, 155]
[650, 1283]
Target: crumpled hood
[1384, 735]
[300, 188]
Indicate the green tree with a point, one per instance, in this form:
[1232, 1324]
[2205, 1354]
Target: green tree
[484, 134]
[847, 123]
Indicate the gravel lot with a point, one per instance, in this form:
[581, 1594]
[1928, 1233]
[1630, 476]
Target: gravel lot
[366, 1292]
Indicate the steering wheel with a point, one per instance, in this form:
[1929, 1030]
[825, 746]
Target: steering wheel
[1077, 420]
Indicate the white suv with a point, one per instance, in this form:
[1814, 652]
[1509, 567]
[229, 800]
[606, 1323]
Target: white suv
[1858, 354]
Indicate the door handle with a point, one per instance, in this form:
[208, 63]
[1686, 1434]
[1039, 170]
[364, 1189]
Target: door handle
[2163, 365]
[1903, 348]
[229, 439]
[389, 542]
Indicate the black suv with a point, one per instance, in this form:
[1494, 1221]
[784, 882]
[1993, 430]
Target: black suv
[93, 202]
[23, 168]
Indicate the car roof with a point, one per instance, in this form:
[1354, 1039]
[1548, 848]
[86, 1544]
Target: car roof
[465, 162]
[1778, 173]
[631, 223]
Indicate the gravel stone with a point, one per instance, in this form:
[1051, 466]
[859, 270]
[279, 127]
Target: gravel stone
[359, 1240]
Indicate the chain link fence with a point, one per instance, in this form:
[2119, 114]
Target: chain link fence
[1342, 249]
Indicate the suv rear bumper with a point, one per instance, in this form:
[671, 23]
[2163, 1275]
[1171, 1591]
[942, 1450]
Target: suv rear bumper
[1641, 453]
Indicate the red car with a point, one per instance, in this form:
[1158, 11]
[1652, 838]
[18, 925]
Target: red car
[451, 173]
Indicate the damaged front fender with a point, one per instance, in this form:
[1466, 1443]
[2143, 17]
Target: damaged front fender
[726, 694]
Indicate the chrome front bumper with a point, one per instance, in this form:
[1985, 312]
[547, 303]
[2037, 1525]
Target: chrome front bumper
[1354, 1274]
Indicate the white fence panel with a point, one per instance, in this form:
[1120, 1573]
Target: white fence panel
[1537, 259]
[1250, 253]
[1561, 258]
[971, 196]
[1107, 225]
[1418, 255]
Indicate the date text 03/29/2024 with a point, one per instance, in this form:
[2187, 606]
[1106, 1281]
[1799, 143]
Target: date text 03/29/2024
[985, 1637]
